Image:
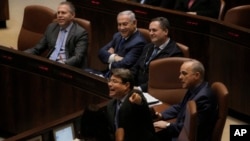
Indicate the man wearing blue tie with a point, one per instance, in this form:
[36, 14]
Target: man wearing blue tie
[66, 41]
[161, 46]
[126, 46]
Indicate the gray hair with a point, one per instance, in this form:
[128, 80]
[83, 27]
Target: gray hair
[197, 66]
[71, 6]
[129, 13]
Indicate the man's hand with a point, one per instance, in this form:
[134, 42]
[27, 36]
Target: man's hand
[111, 50]
[157, 116]
[192, 13]
[119, 134]
[161, 124]
[135, 98]
[118, 58]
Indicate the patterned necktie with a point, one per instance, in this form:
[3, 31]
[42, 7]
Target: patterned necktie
[59, 44]
[155, 52]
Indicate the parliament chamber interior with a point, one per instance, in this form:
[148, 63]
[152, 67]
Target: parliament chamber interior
[38, 96]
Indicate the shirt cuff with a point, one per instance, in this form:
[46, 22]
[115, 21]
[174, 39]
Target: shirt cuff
[111, 58]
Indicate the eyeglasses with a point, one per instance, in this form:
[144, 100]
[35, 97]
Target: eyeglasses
[114, 81]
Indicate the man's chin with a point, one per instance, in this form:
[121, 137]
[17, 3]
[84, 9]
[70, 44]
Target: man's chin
[111, 94]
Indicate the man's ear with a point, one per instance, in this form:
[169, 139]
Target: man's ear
[127, 84]
[197, 75]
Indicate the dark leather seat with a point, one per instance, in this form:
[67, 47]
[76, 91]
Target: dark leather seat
[164, 83]
[222, 94]
[35, 21]
[145, 34]
[238, 16]
[86, 25]
[189, 129]
[184, 49]
[222, 9]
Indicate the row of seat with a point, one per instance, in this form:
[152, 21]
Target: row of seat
[161, 87]
[34, 29]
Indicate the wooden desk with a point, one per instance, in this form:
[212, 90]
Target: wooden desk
[35, 91]
[222, 48]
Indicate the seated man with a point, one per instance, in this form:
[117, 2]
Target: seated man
[66, 41]
[161, 46]
[126, 46]
[192, 78]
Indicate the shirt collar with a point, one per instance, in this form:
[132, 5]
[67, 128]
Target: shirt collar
[164, 44]
[197, 88]
[68, 27]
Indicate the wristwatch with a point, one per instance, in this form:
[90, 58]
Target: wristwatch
[168, 124]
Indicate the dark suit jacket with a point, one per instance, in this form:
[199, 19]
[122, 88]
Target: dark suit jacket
[135, 119]
[208, 8]
[161, 3]
[140, 70]
[75, 46]
[207, 111]
[130, 50]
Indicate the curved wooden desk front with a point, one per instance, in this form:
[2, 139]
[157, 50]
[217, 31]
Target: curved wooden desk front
[35, 91]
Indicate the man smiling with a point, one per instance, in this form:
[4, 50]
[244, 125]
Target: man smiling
[66, 41]
[126, 46]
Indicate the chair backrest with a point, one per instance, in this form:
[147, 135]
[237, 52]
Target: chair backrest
[221, 92]
[189, 129]
[164, 83]
[86, 25]
[222, 9]
[35, 21]
[145, 34]
[184, 49]
[238, 15]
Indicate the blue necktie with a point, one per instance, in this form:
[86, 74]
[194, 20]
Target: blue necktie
[155, 52]
[59, 44]
[118, 105]
[121, 43]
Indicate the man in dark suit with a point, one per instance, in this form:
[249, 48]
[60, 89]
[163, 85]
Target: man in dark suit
[132, 122]
[208, 8]
[159, 35]
[126, 46]
[66, 41]
[192, 78]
